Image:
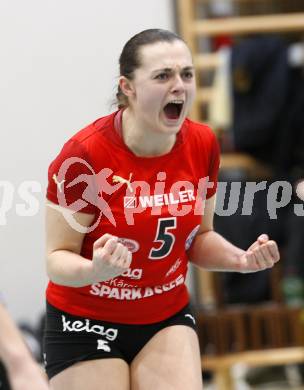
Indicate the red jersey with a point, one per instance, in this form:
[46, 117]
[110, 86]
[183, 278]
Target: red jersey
[153, 204]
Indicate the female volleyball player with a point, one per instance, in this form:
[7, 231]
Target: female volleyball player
[130, 202]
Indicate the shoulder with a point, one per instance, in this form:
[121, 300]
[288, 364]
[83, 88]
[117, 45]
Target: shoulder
[200, 133]
[95, 130]
[203, 144]
[84, 154]
[83, 143]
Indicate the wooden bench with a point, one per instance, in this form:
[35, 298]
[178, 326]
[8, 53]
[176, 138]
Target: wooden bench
[221, 366]
[262, 335]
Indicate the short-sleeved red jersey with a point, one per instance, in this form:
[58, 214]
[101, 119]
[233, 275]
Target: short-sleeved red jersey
[153, 204]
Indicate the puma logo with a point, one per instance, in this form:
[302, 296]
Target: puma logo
[119, 179]
[58, 183]
[191, 317]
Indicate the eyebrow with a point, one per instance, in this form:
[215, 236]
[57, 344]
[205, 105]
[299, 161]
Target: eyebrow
[169, 70]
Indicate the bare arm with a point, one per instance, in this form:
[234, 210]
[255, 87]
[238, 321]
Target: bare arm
[63, 244]
[66, 266]
[213, 252]
[23, 372]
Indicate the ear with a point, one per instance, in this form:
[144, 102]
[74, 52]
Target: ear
[126, 86]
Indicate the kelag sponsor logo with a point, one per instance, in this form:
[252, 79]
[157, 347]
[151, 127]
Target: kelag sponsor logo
[85, 326]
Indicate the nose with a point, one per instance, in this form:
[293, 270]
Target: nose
[178, 86]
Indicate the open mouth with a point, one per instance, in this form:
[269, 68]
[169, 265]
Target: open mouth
[173, 109]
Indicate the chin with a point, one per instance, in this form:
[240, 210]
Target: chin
[174, 126]
[170, 126]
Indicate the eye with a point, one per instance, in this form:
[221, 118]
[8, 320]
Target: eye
[162, 76]
[188, 75]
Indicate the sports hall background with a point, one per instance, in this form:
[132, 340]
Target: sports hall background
[59, 69]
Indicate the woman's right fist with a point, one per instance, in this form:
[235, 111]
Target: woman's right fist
[110, 258]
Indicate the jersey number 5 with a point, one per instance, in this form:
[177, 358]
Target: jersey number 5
[163, 236]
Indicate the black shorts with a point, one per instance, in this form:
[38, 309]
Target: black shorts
[70, 339]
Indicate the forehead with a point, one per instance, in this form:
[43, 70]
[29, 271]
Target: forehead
[162, 55]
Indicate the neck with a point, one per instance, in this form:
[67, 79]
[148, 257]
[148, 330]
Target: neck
[144, 142]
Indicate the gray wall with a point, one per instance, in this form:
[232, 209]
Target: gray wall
[58, 73]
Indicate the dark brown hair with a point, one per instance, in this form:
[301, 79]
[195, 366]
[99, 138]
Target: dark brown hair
[129, 59]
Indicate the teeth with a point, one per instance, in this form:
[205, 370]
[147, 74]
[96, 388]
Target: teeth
[177, 101]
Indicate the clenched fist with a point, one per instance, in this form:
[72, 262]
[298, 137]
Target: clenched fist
[262, 254]
[110, 258]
